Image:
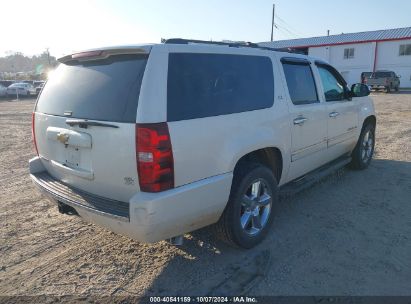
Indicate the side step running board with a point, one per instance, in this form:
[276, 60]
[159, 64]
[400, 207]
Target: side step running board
[313, 177]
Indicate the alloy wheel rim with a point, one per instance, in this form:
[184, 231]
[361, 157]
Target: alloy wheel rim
[255, 207]
[367, 146]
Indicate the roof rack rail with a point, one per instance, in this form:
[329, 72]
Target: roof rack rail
[229, 44]
[187, 41]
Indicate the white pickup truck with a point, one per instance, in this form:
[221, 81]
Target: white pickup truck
[155, 141]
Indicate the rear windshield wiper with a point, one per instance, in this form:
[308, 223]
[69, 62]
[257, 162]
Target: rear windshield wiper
[84, 123]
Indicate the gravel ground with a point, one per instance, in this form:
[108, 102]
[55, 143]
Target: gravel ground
[348, 235]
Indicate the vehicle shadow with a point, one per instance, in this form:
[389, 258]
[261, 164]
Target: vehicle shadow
[348, 234]
[325, 240]
[213, 268]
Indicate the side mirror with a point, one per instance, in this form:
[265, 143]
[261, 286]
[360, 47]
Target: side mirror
[360, 90]
[347, 93]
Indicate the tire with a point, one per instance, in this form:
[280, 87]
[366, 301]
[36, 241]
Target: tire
[256, 212]
[388, 89]
[364, 150]
[396, 89]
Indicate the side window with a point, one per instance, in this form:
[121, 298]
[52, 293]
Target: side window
[349, 53]
[300, 82]
[203, 85]
[333, 88]
[405, 50]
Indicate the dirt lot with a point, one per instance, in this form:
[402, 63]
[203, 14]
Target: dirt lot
[348, 235]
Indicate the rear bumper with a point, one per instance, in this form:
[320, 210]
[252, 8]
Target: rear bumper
[80, 199]
[146, 217]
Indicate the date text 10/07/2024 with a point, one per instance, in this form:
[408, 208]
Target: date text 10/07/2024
[205, 299]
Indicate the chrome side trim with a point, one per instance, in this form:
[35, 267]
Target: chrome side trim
[341, 137]
[296, 155]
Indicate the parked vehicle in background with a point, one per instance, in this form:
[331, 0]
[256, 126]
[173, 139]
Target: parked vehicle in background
[38, 82]
[155, 141]
[7, 83]
[387, 80]
[3, 90]
[365, 76]
[39, 86]
[21, 88]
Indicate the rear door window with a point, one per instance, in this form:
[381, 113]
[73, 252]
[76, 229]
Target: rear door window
[105, 89]
[300, 82]
[203, 85]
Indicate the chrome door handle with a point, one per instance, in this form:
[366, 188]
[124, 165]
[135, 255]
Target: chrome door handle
[300, 120]
[334, 114]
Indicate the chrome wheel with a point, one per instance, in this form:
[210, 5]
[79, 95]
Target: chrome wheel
[255, 207]
[367, 146]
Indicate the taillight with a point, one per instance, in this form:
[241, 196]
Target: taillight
[155, 164]
[33, 132]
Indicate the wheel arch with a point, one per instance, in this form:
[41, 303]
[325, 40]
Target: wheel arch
[270, 157]
[369, 119]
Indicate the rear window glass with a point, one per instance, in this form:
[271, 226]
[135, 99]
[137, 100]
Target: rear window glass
[300, 82]
[202, 85]
[100, 89]
[382, 74]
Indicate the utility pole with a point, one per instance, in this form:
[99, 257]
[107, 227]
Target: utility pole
[48, 55]
[272, 23]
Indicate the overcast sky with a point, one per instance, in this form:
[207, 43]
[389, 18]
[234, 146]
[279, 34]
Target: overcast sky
[67, 26]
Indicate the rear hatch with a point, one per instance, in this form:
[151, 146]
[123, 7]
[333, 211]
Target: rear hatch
[85, 118]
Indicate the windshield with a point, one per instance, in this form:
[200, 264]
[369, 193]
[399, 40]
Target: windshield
[100, 89]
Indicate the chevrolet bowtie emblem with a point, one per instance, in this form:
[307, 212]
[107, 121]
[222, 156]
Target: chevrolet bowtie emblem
[63, 138]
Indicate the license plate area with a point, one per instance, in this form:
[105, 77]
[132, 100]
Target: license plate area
[73, 157]
[70, 148]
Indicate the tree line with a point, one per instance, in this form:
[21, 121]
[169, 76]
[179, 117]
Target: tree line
[19, 63]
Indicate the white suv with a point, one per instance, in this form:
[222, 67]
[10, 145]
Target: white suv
[154, 141]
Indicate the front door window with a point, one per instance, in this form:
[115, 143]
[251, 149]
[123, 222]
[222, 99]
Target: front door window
[333, 89]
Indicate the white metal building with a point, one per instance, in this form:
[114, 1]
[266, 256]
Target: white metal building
[355, 53]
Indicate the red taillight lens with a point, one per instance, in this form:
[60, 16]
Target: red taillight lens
[155, 164]
[33, 132]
